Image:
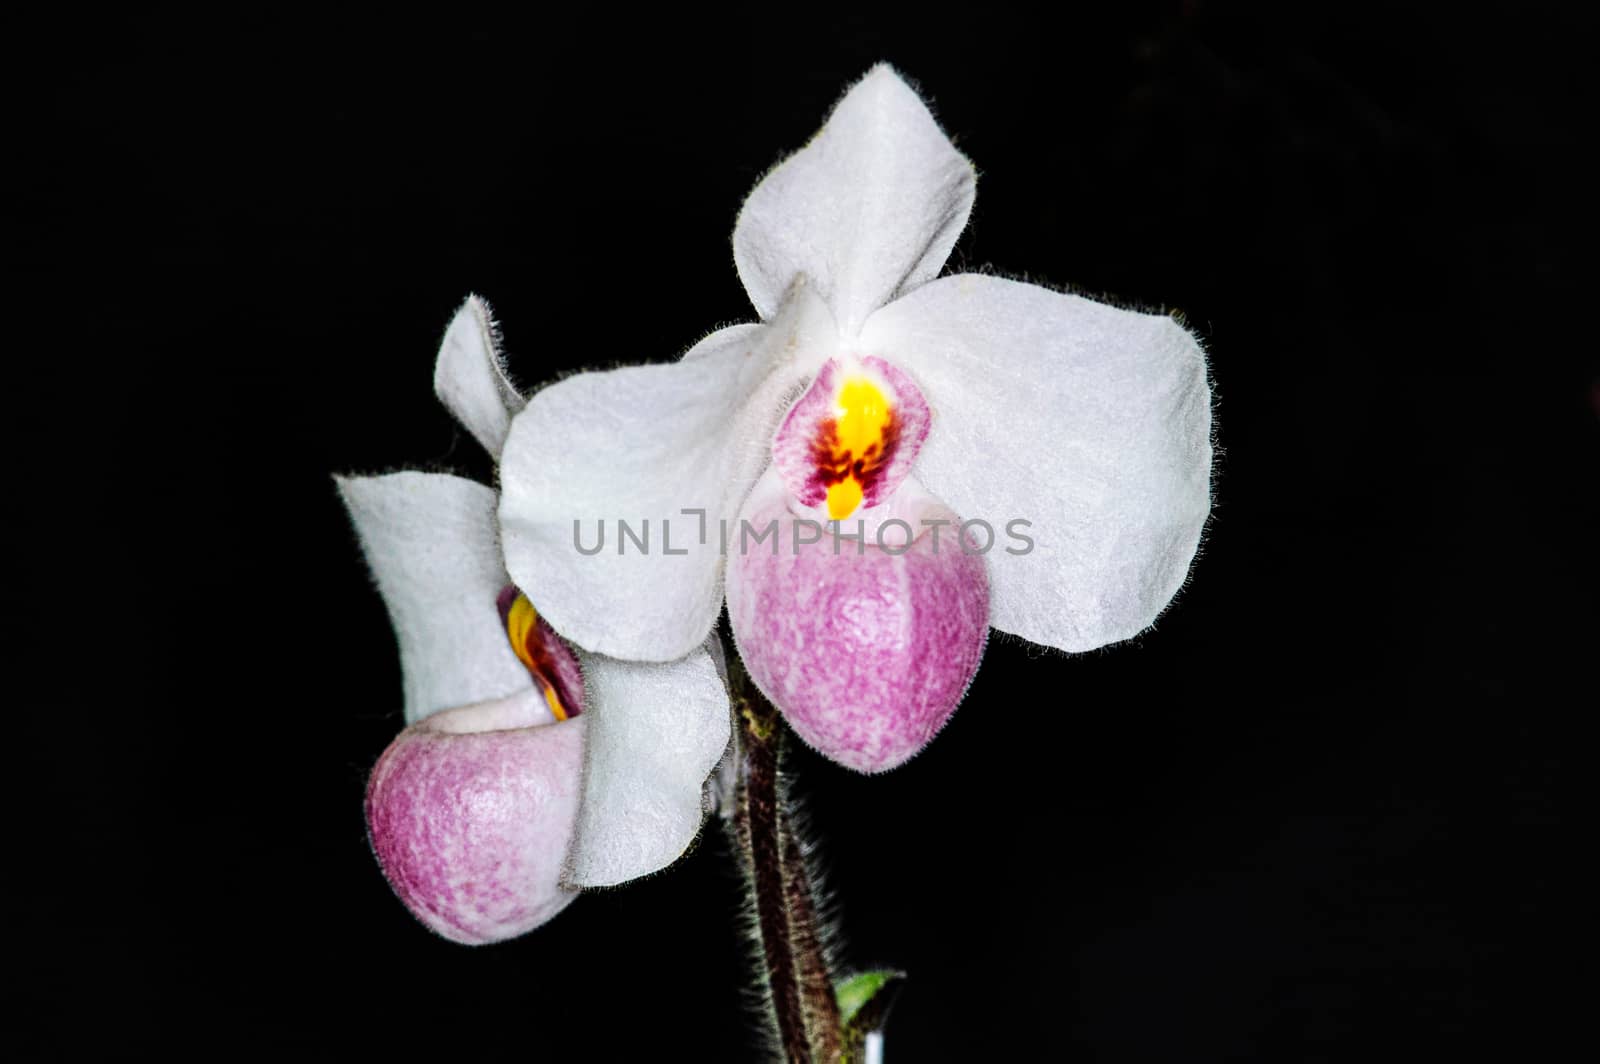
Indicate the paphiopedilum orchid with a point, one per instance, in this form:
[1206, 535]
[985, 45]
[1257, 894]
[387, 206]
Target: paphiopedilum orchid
[528, 770]
[876, 394]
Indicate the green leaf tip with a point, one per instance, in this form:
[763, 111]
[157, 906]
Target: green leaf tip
[856, 992]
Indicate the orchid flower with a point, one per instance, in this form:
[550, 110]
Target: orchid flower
[878, 395]
[527, 770]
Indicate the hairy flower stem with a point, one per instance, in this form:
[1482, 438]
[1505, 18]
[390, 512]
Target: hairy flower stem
[802, 988]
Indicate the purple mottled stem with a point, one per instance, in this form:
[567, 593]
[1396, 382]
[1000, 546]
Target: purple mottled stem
[797, 971]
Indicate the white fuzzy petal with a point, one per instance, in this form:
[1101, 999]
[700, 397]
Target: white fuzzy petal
[644, 444]
[429, 539]
[1091, 422]
[470, 377]
[868, 209]
[655, 733]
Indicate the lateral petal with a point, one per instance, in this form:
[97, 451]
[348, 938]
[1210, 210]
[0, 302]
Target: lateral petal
[1088, 423]
[656, 733]
[671, 450]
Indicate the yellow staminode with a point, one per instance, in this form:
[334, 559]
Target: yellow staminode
[522, 627]
[862, 417]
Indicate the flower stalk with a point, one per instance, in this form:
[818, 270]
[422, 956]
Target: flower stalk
[795, 967]
[820, 1016]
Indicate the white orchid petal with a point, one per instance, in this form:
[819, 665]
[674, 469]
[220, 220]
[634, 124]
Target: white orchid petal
[429, 539]
[869, 209]
[655, 734]
[1091, 422]
[644, 444]
[470, 377]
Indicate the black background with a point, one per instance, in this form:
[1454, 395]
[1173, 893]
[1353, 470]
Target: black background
[1315, 814]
